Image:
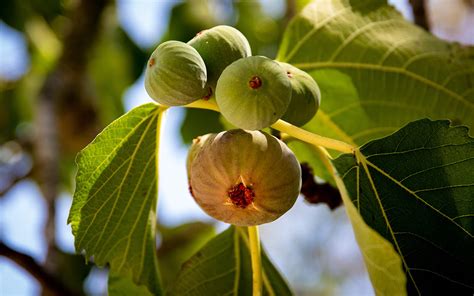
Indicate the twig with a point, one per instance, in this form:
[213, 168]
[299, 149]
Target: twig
[47, 280]
[419, 13]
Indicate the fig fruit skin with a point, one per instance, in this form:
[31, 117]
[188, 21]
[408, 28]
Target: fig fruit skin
[175, 74]
[219, 47]
[194, 150]
[305, 96]
[245, 177]
[253, 93]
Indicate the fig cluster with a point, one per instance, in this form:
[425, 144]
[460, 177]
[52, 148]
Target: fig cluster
[242, 176]
[252, 92]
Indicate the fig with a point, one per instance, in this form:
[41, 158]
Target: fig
[245, 177]
[219, 47]
[305, 96]
[253, 93]
[194, 150]
[175, 74]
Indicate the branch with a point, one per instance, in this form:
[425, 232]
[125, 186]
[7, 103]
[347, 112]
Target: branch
[419, 13]
[49, 282]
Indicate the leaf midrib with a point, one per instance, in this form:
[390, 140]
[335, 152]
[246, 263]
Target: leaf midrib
[361, 159]
[121, 184]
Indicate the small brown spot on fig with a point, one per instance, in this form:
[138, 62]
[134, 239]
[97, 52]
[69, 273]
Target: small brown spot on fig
[241, 195]
[200, 32]
[289, 74]
[191, 190]
[255, 82]
[151, 62]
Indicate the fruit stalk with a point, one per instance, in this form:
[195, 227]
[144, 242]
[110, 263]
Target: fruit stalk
[255, 255]
[312, 138]
[289, 129]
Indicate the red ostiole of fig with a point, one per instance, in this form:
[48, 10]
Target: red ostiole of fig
[241, 195]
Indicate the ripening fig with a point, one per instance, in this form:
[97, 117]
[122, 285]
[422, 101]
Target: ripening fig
[305, 96]
[245, 177]
[253, 93]
[175, 74]
[195, 148]
[219, 47]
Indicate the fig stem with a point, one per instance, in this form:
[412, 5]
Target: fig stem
[290, 129]
[255, 254]
[312, 138]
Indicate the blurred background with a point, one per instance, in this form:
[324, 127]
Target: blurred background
[70, 67]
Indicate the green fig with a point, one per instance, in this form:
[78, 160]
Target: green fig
[245, 177]
[253, 93]
[305, 96]
[219, 47]
[175, 74]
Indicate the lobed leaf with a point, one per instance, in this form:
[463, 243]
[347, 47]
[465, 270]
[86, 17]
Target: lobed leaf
[416, 188]
[113, 214]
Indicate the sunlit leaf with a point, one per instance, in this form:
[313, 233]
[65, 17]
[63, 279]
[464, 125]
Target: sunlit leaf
[376, 70]
[113, 214]
[416, 188]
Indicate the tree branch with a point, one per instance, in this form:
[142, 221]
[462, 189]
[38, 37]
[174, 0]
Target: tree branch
[49, 282]
[419, 13]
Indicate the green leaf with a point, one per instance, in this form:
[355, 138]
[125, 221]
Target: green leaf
[383, 263]
[223, 267]
[306, 153]
[178, 244]
[416, 189]
[119, 285]
[198, 122]
[376, 70]
[113, 214]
